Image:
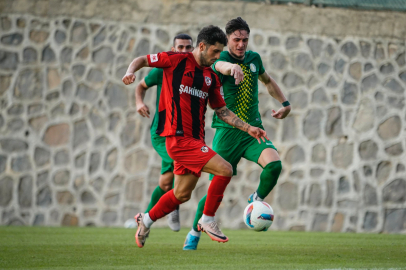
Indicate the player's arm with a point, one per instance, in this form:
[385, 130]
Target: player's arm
[141, 107]
[135, 65]
[230, 69]
[277, 94]
[230, 118]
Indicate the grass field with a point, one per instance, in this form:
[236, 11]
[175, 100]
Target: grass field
[114, 248]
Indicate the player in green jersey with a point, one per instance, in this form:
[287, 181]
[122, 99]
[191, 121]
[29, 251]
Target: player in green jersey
[239, 71]
[181, 43]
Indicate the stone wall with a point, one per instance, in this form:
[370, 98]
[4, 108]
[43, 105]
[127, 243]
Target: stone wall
[73, 150]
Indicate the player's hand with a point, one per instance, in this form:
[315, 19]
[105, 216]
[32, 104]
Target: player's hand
[143, 109]
[128, 78]
[237, 73]
[281, 113]
[258, 133]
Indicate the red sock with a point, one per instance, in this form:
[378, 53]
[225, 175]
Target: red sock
[215, 194]
[166, 204]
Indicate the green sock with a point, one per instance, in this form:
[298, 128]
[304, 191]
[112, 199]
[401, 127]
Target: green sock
[199, 212]
[268, 178]
[156, 195]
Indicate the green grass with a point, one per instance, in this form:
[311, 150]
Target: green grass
[114, 248]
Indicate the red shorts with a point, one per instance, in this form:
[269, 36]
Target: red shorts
[190, 155]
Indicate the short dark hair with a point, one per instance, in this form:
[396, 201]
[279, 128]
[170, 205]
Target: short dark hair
[182, 36]
[210, 35]
[237, 24]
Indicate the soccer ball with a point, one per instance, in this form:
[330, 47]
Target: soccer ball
[258, 216]
[130, 224]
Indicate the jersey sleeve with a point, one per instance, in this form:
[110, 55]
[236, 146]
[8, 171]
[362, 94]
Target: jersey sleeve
[159, 60]
[261, 67]
[152, 78]
[215, 98]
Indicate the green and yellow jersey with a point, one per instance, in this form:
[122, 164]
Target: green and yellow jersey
[242, 99]
[154, 77]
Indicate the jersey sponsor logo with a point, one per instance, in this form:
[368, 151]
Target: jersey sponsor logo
[204, 149]
[253, 67]
[208, 81]
[268, 143]
[193, 91]
[154, 58]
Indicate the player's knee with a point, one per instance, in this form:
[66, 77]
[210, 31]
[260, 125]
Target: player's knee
[165, 187]
[183, 196]
[226, 169]
[274, 167]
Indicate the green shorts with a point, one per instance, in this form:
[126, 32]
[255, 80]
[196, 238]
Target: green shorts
[158, 143]
[232, 144]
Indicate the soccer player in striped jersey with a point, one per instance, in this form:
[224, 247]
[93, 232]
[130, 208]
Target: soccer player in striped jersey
[242, 99]
[181, 43]
[188, 85]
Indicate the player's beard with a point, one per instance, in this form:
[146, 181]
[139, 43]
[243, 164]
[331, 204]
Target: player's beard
[203, 59]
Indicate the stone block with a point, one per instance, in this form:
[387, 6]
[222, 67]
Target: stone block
[117, 96]
[315, 196]
[291, 80]
[393, 85]
[349, 93]
[343, 185]
[292, 42]
[109, 217]
[6, 191]
[386, 68]
[320, 222]
[370, 221]
[303, 62]
[338, 222]
[278, 60]
[87, 197]
[370, 82]
[395, 220]
[288, 196]
[60, 36]
[39, 220]
[56, 135]
[379, 52]
[401, 59]
[395, 191]
[323, 69]
[370, 195]
[295, 155]
[39, 36]
[29, 84]
[134, 190]
[37, 123]
[80, 133]
[30, 55]
[395, 149]
[349, 49]
[13, 39]
[396, 102]
[117, 182]
[61, 178]
[21, 164]
[136, 162]
[104, 55]
[390, 128]
[42, 178]
[319, 153]
[44, 197]
[41, 156]
[94, 162]
[112, 199]
[62, 157]
[339, 66]
[48, 55]
[383, 171]
[79, 33]
[368, 150]
[355, 70]
[83, 54]
[315, 46]
[111, 160]
[334, 122]
[70, 220]
[66, 56]
[319, 97]
[289, 128]
[365, 48]
[97, 184]
[64, 198]
[312, 124]
[299, 100]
